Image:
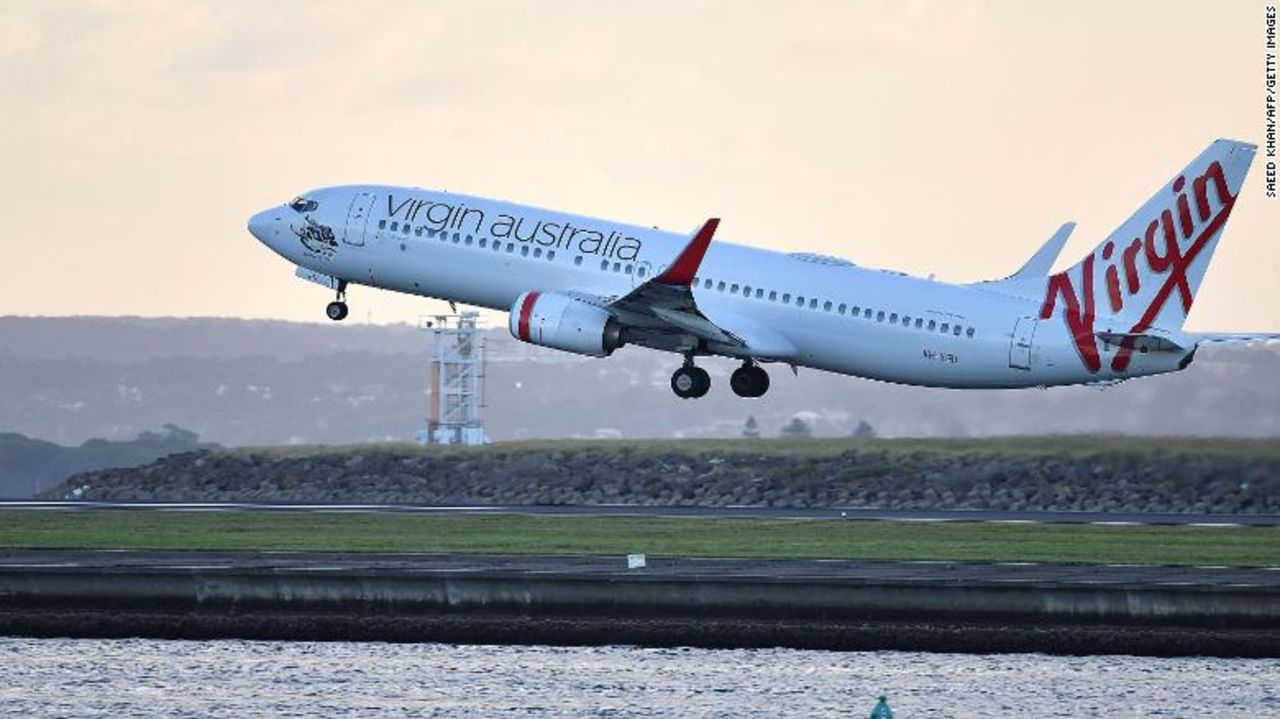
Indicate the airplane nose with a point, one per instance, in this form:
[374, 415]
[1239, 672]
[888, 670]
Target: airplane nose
[261, 226]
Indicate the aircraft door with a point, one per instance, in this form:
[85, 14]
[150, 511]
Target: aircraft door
[357, 218]
[1024, 335]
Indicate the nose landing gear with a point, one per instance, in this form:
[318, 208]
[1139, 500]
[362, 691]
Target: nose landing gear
[337, 310]
[749, 380]
[690, 382]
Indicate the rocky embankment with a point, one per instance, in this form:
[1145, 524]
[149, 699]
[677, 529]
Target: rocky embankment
[884, 474]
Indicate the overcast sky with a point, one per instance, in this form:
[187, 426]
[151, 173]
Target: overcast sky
[935, 137]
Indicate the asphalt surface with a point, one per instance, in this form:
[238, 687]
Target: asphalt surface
[838, 570]
[606, 510]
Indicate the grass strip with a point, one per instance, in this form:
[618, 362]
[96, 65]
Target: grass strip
[658, 536]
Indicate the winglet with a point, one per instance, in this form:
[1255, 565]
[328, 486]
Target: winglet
[1041, 263]
[682, 271]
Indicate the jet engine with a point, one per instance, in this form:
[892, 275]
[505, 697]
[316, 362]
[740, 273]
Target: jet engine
[561, 322]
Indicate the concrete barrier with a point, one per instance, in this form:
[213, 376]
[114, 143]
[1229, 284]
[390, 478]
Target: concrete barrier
[933, 611]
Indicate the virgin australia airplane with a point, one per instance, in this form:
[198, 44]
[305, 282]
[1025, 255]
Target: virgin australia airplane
[590, 286]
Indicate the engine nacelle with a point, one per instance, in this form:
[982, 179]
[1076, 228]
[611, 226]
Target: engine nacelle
[561, 322]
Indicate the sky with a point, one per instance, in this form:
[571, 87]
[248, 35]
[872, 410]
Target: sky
[948, 138]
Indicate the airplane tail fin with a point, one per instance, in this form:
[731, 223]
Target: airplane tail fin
[1147, 272]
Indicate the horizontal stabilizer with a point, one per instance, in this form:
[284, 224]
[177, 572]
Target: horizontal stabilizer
[1233, 337]
[1142, 342]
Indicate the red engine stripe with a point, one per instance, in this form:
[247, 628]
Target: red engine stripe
[526, 310]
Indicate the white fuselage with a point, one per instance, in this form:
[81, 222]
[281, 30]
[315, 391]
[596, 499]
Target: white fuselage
[806, 310]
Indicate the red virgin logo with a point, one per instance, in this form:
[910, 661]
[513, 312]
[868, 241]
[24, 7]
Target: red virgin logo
[1159, 250]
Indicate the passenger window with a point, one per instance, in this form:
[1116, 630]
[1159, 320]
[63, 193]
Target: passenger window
[906, 321]
[395, 226]
[720, 286]
[511, 247]
[406, 228]
[483, 242]
[626, 270]
[894, 318]
[551, 254]
[524, 250]
[855, 311]
[773, 295]
[577, 260]
[919, 322]
[417, 231]
[969, 332]
[382, 224]
[640, 271]
[932, 325]
[457, 238]
[841, 308]
[867, 313]
[468, 242]
[537, 252]
[880, 316]
[733, 289]
[946, 327]
[497, 246]
[759, 294]
[786, 298]
[604, 265]
[746, 291]
[707, 284]
[956, 330]
[813, 304]
[799, 301]
[827, 305]
[617, 267]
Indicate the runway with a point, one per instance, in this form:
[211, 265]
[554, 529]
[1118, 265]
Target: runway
[922, 573]
[604, 510]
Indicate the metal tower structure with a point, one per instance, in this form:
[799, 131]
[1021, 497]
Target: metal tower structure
[455, 397]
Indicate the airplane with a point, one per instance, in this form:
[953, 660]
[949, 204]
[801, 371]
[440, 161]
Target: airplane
[591, 286]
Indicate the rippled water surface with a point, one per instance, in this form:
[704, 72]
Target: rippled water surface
[65, 677]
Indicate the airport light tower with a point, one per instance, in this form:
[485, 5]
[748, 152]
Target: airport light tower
[455, 396]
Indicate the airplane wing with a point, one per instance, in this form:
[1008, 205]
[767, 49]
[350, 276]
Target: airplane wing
[663, 312]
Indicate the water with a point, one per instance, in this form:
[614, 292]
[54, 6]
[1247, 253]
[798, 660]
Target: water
[145, 678]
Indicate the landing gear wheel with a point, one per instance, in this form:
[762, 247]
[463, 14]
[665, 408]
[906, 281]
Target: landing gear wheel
[749, 380]
[336, 310]
[690, 382]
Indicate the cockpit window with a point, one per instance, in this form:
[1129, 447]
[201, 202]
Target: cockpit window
[302, 204]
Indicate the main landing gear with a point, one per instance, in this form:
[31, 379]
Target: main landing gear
[749, 380]
[337, 310]
[690, 382]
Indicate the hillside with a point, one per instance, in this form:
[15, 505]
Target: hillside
[30, 466]
[242, 382]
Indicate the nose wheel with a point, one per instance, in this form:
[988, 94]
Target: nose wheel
[690, 382]
[749, 380]
[337, 310]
